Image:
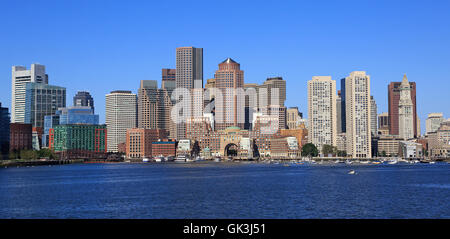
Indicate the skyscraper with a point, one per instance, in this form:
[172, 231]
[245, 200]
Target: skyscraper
[148, 104]
[21, 76]
[121, 107]
[383, 123]
[322, 111]
[406, 117]
[373, 115]
[83, 98]
[228, 78]
[293, 117]
[358, 110]
[339, 112]
[433, 122]
[343, 108]
[394, 98]
[41, 100]
[189, 75]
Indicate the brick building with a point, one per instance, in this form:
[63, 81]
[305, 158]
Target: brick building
[20, 136]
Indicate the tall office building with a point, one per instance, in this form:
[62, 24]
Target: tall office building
[394, 98]
[168, 78]
[4, 131]
[293, 118]
[322, 111]
[21, 76]
[406, 117]
[41, 100]
[383, 123]
[269, 89]
[228, 78]
[121, 107]
[373, 115]
[83, 98]
[343, 108]
[339, 112]
[358, 115]
[148, 104]
[433, 122]
[189, 75]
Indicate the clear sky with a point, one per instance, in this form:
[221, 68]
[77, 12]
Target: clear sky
[102, 46]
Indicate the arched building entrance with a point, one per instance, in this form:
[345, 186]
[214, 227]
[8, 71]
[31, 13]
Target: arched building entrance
[231, 150]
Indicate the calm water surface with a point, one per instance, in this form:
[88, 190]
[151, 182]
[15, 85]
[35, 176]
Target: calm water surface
[221, 190]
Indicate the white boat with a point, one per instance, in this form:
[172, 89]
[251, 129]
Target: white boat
[181, 159]
[351, 172]
[392, 161]
[145, 160]
[348, 162]
[364, 162]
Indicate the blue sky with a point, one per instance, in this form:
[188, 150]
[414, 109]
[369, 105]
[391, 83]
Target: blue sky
[102, 46]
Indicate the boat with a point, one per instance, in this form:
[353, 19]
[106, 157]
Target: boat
[364, 162]
[351, 172]
[216, 159]
[376, 162]
[159, 159]
[181, 159]
[348, 162]
[432, 162]
[392, 161]
[145, 160]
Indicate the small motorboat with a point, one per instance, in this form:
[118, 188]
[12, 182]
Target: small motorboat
[351, 172]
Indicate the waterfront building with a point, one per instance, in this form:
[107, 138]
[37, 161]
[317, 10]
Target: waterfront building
[164, 148]
[285, 148]
[410, 150]
[41, 100]
[139, 141]
[121, 107]
[189, 75]
[388, 144]
[322, 111]
[20, 136]
[68, 115]
[72, 141]
[358, 114]
[4, 132]
[228, 78]
[406, 118]
[300, 133]
[83, 99]
[394, 89]
[383, 123]
[50, 121]
[433, 122]
[439, 141]
[20, 77]
[373, 115]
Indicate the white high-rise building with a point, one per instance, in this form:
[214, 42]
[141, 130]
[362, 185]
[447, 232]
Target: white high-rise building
[405, 111]
[433, 122]
[20, 77]
[121, 114]
[322, 122]
[373, 116]
[358, 115]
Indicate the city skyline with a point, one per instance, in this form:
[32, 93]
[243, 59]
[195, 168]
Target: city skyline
[296, 60]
